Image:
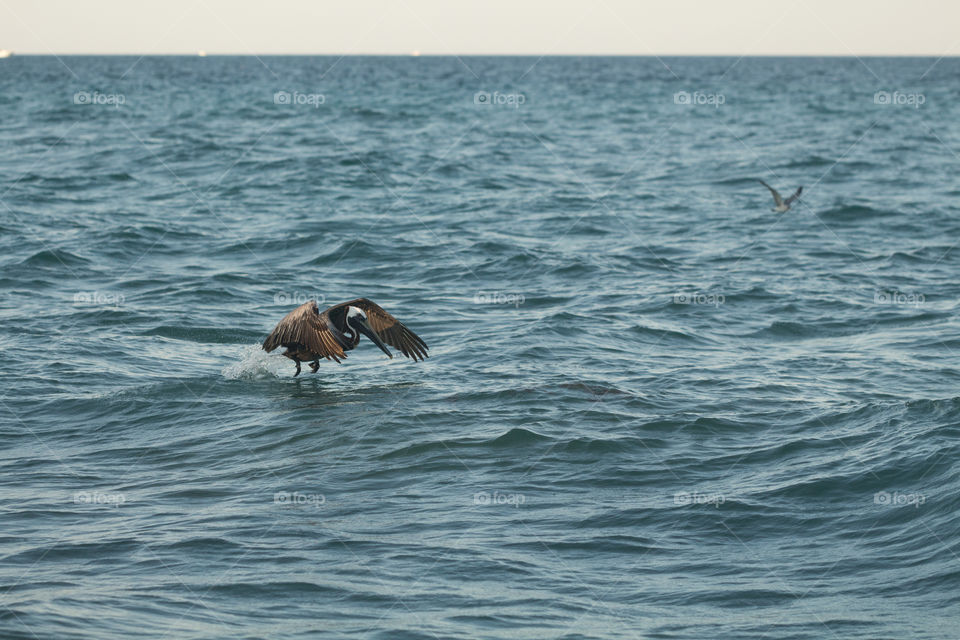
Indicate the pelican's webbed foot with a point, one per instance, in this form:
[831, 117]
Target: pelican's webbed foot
[314, 366]
[298, 369]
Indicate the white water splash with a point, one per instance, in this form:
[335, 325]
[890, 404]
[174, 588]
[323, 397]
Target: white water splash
[255, 364]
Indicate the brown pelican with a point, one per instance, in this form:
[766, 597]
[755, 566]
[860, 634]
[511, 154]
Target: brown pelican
[781, 204]
[309, 335]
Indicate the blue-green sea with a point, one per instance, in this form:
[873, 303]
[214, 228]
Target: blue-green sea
[653, 407]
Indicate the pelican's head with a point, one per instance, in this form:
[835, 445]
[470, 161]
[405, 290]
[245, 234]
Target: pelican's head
[357, 320]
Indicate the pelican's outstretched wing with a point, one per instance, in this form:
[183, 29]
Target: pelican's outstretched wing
[307, 327]
[795, 196]
[390, 330]
[777, 200]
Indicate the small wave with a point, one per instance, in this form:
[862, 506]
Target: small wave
[490, 184]
[366, 112]
[933, 254]
[518, 436]
[825, 110]
[662, 332]
[853, 212]
[352, 247]
[212, 335]
[735, 181]
[603, 447]
[808, 162]
[54, 258]
[274, 590]
[793, 330]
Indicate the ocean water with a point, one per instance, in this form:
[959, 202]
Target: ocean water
[653, 408]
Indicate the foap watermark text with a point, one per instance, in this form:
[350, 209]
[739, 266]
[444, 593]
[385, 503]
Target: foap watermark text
[499, 99]
[898, 499]
[297, 297]
[498, 297]
[901, 298]
[95, 97]
[899, 99]
[298, 98]
[696, 297]
[498, 498]
[99, 498]
[699, 98]
[684, 498]
[299, 499]
[98, 298]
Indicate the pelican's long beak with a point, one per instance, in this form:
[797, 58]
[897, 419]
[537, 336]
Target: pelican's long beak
[370, 333]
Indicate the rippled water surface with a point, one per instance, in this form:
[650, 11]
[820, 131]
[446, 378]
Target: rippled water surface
[653, 407]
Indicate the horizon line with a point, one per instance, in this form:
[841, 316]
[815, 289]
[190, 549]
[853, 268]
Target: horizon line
[416, 54]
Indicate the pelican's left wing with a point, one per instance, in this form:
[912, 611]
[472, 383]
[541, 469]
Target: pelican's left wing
[390, 329]
[795, 196]
[777, 200]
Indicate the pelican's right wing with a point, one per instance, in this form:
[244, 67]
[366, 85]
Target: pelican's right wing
[306, 326]
[777, 200]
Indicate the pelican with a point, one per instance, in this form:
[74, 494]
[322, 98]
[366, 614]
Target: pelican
[782, 205]
[309, 335]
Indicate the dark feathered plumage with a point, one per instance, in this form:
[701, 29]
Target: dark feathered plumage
[781, 205]
[308, 335]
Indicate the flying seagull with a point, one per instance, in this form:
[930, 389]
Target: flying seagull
[309, 335]
[782, 205]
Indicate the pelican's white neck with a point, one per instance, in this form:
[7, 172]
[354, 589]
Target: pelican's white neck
[354, 312]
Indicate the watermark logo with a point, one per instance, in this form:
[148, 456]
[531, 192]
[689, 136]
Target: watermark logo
[297, 297]
[484, 498]
[498, 297]
[99, 498]
[684, 498]
[299, 499]
[712, 299]
[899, 99]
[95, 97]
[98, 298]
[699, 98]
[897, 499]
[499, 99]
[899, 298]
[297, 98]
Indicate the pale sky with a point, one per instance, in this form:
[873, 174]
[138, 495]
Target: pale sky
[465, 27]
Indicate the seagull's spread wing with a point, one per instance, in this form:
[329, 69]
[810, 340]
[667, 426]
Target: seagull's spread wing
[795, 196]
[390, 330]
[777, 200]
[307, 327]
